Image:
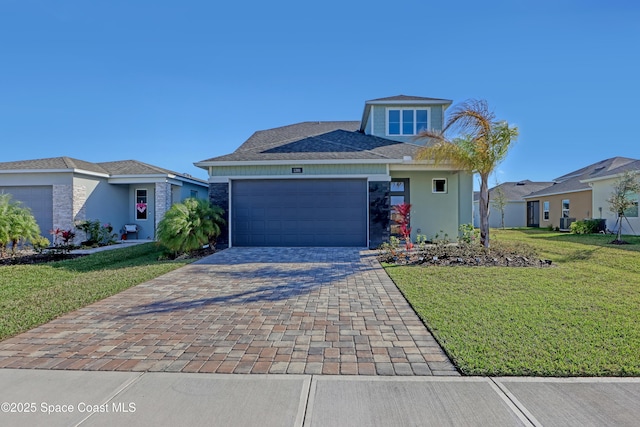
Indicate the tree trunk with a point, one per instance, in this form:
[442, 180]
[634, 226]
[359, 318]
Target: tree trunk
[619, 236]
[484, 210]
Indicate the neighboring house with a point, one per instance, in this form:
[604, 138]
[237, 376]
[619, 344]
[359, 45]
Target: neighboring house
[570, 197]
[61, 191]
[515, 210]
[334, 183]
[602, 188]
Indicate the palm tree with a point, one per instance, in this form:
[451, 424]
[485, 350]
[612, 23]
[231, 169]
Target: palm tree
[189, 225]
[17, 223]
[480, 144]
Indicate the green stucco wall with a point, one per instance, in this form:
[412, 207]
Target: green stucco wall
[438, 213]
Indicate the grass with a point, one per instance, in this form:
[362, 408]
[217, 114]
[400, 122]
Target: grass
[31, 295]
[580, 318]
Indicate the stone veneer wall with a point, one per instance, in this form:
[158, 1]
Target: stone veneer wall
[62, 206]
[379, 213]
[79, 209]
[219, 196]
[162, 200]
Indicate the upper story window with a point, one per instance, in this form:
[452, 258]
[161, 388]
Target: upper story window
[407, 121]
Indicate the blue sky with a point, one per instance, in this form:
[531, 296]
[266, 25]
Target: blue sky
[171, 83]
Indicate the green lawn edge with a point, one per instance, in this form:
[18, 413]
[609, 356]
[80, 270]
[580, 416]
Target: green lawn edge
[31, 295]
[578, 318]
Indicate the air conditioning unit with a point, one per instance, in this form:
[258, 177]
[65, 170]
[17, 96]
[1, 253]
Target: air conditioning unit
[565, 223]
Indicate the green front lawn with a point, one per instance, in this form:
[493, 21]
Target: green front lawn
[580, 317]
[31, 295]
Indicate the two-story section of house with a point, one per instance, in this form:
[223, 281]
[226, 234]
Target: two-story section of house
[335, 183]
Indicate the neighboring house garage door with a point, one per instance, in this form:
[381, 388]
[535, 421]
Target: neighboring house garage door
[299, 212]
[39, 199]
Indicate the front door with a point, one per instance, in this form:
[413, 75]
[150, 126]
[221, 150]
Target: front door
[533, 214]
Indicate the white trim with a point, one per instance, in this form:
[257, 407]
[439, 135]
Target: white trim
[372, 115]
[145, 180]
[369, 177]
[229, 188]
[78, 171]
[410, 102]
[295, 162]
[446, 186]
[401, 109]
[417, 165]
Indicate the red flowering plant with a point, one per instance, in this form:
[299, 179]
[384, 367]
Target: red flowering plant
[403, 219]
[63, 239]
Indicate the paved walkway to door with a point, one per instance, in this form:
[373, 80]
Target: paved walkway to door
[245, 310]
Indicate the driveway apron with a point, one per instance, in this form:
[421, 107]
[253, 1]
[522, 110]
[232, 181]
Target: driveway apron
[245, 310]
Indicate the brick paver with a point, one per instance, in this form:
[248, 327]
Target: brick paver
[245, 310]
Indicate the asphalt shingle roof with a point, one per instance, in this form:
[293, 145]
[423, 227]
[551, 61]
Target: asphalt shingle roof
[317, 141]
[515, 191]
[54, 163]
[409, 98]
[571, 181]
[121, 167]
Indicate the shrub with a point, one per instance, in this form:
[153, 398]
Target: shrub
[587, 226]
[17, 224]
[190, 225]
[404, 219]
[96, 233]
[468, 234]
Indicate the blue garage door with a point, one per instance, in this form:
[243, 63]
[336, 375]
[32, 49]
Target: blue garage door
[37, 198]
[300, 212]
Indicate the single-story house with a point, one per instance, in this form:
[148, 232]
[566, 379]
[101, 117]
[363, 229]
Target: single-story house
[515, 208]
[570, 197]
[61, 191]
[602, 188]
[334, 183]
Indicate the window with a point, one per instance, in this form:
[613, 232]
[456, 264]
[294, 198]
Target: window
[404, 121]
[632, 211]
[565, 208]
[439, 185]
[398, 194]
[545, 211]
[142, 208]
[194, 194]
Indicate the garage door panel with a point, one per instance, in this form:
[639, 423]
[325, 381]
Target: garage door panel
[39, 199]
[299, 212]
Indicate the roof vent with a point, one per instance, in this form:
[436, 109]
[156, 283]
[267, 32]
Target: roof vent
[521, 183]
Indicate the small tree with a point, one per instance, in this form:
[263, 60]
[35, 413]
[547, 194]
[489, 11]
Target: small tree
[17, 224]
[189, 225]
[623, 197]
[482, 143]
[499, 201]
[404, 220]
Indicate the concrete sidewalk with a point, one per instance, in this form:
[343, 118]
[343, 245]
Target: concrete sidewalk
[66, 398]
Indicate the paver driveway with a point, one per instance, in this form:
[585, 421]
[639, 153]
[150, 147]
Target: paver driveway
[245, 310]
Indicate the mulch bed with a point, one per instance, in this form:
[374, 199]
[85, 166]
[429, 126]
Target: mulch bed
[26, 257]
[465, 255]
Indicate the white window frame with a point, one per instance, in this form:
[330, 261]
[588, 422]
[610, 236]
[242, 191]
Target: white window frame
[388, 109]
[563, 210]
[545, 210]
[433, 186]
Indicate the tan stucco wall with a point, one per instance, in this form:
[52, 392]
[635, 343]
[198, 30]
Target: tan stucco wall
[580, 207]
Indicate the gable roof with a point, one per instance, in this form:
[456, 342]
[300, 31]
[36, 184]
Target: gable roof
[111, 169]
[515, 191]
[316, 141]
[400, 100]
[576, 180]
